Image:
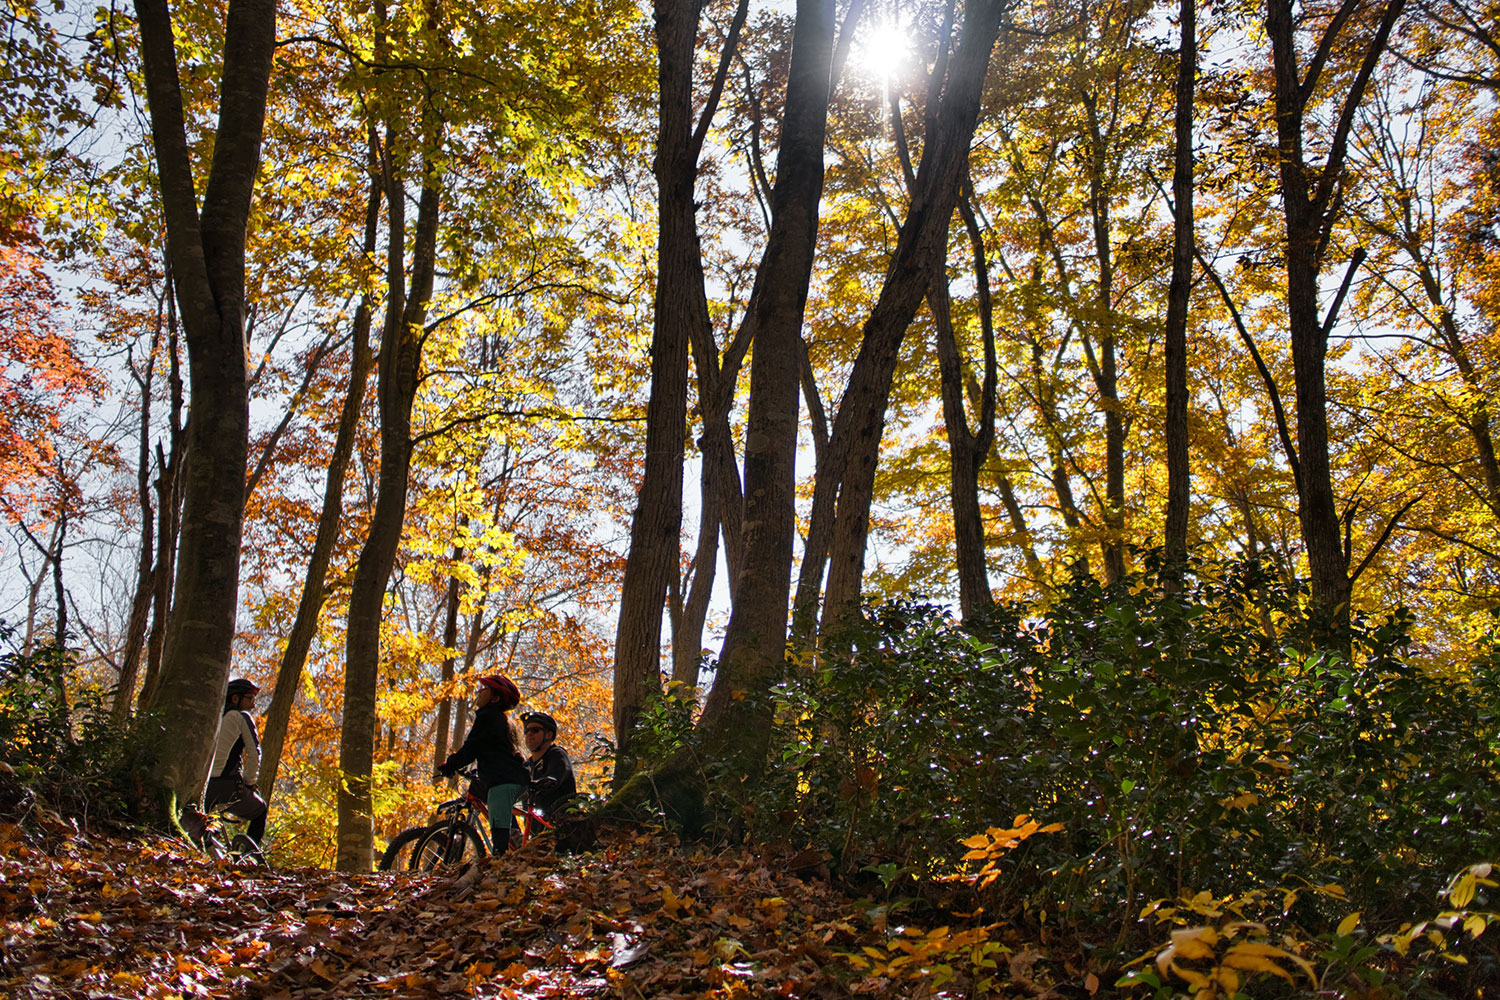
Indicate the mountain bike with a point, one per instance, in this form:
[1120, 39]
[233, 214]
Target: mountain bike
[462, 833]
[222, 836]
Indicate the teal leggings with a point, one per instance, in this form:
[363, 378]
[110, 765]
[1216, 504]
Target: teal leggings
[501, 798]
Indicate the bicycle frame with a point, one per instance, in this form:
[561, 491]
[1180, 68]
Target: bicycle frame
[471, 809]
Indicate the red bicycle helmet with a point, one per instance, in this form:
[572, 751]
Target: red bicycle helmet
[505, 690]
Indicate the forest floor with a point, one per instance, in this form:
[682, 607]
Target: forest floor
[641, 916]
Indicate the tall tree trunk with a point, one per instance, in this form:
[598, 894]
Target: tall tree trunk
[681, 320]
[656, 525]
[691, 613]
[861, 415]
[168, 489]
[208, 270]
[1105, 366]
[1310, 206]
[400, 358]
[735, 728]
[967, 447]
[59, 592]
[1175, 335]
[305, 626]
[140, 606]
[450, 642]
[721, 498]
[1020, 534]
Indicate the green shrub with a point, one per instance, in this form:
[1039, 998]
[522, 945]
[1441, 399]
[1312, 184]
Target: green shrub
[69, 754]
[1187, 740]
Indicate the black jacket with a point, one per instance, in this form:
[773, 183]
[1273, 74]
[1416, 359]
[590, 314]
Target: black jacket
[489, 744]
[553, 774]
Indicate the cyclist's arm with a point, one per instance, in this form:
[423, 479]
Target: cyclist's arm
[552, 771]
[469, 752]
[250, 765]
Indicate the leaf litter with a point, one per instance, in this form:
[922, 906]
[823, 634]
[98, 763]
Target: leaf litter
[641, 916]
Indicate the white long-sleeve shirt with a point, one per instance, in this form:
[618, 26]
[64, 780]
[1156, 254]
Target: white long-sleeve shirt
[237, 748]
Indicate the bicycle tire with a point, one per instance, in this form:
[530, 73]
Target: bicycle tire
[400, 851]
[447, 844]
[244, 847]
[212, 845]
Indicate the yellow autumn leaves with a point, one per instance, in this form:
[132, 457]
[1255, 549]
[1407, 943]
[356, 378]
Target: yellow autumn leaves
[1230, 968]
[995, 842]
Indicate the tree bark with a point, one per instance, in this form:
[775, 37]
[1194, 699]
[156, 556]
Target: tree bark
[400, 358]
[681, 314]
[208, 268]
[305, 626]
[450, 642]
[734, 726]
[1105, 367]
[967, 447]
[1179, 483]
[140, 607]
[1310, 206]
[861, 415]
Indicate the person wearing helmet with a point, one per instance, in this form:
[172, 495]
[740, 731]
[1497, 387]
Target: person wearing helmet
[491, 743]
[551, 768]
[231, 779]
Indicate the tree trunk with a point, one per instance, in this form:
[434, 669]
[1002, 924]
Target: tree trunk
[1105, 368]
[400, 358]
[450, 642]
[208, 269]
[681, 321]
[657, 522]
[687, 626]
[140, 607]
[305, 627]
[1175, 335]
[1020, 534]
[1310, 207]
[861, 415]
[59, 592]
[735, 728]
[967, 447]
[168, 512]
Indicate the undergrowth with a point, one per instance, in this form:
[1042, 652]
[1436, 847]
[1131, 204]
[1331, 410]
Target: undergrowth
[1180, 742]
[61, 748]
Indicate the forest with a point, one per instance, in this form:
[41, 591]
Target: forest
[1028, 463]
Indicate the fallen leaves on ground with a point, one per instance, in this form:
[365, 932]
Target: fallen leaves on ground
[639, 917]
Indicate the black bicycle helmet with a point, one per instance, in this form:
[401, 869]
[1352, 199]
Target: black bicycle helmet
[542, 719]
[240, 686]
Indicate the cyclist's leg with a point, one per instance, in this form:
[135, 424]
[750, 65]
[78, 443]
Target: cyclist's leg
[219, 791]
[501, 798]
[257, 829]
[249, 805]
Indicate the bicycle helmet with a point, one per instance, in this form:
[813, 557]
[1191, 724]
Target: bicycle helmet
[504, 690]
[541, 719]
[240, 686]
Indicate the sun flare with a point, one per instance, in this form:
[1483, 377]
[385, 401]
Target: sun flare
[886, 51]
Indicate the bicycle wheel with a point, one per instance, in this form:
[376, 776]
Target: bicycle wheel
[402, 849]
[447, 844]
[212, 845]
[244, 847]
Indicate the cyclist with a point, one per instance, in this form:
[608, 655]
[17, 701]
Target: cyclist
[492, 744]
[237, 760]
[551, 768]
